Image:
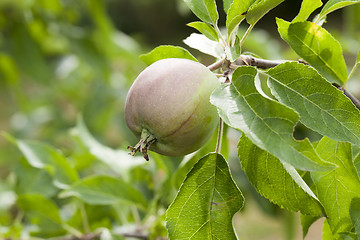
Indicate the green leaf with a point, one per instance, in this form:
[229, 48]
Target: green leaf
[205, 29]
[185, 166]
[355, 215]
[273, 181]
[227, 4]
[206, 202]
[333, 5]
[267, 123]
[118, 160]
[42, 212]
[205, 45]
[105, 190]
[204, 9]
[327, 233]
[336, 188]
[307, 7]
[166, 51]
[317, 47]
[357, 163]
[306, 222]
[40, 155]
[322, 107]
[32, 180]
[233, 52]
[236, 14]
[358, 58]
[259, 9]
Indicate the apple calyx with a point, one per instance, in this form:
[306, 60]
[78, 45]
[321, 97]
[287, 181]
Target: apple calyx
[143, 145]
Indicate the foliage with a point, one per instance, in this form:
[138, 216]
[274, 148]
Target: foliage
[79, 67]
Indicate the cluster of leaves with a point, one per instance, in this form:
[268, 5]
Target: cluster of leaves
[94, 191]
[275, 163]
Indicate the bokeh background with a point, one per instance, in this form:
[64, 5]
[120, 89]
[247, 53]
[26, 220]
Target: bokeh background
[62, 58]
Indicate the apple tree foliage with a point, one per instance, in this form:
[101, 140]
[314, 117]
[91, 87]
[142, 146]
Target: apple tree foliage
[196, 198]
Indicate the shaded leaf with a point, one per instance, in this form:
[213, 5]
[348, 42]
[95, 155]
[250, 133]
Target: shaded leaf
[42, 212]
[205, 29]
[267, 123]
[236, 14]
[205, 45]
[166, 51]
[205, 203]
[306, 222]
[32, 180]
[355, 215]
[40, 155]
[317, 47]
[271, 180]
[322, 107]
[336, 188]
[333, 5]
[307, 7]
[357, 163]
[259, 9]
[204, 9]
[105, 190]
[118, 160]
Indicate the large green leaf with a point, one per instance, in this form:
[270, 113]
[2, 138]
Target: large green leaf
[40, 155]
[333, 5]
[357, 164]
[236, 14]
[260, 8]
[272, 180]
[206, 202]
[322, 107]
[166, 51]
[317, 47]
[204, 9]
[307, 7]
[266, 122]
[355, 215]
[105, 190]
[42, 212]
[336, 188]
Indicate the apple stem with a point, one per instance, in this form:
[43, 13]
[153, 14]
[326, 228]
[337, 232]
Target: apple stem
[143, 145]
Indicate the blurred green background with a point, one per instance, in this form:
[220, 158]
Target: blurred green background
[62, 58]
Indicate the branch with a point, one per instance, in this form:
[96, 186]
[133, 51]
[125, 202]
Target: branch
[257, 62]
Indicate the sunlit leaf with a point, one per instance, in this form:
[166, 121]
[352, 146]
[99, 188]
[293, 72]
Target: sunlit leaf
[105, 190]
[233, 52]
[333, 5]
[205, 45]
[236, 14]
[227, 4]
[204, 9]
[42, 212]
[317, 47]
[322, 107]
[307, 7]
[166, 51]
[336, 188]
[266, 122]
[206, 202]
[273, 181]
[259, 9]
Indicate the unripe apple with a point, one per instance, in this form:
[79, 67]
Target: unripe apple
[168, 107]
